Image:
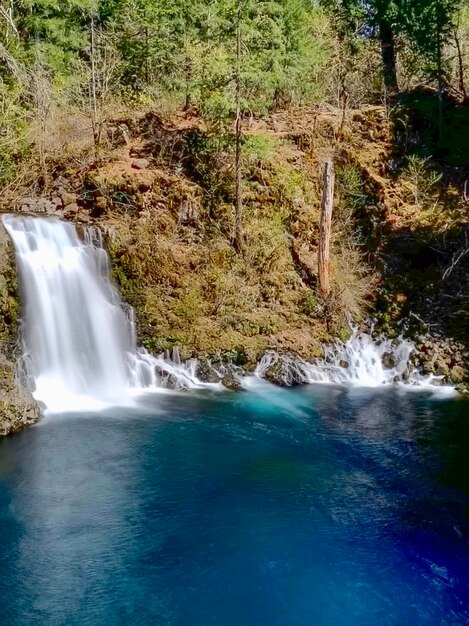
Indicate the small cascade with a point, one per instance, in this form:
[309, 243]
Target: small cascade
[361, 360]
[79, 340]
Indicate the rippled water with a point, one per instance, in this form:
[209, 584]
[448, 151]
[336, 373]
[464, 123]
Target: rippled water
[315, 506]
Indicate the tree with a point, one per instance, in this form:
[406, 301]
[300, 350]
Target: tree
[183, 51]
[386, 19]
[239, 234]
[57, 29]
[270, 48]
[424, 25]
[371, 19]
[429, 26]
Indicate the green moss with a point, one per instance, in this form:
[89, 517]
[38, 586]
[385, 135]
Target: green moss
[157, 345]
[308, 303]
[345, 333]
[190, 305]
[268, 328]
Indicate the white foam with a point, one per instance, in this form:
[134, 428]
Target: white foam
[80, 351]
[360, 361]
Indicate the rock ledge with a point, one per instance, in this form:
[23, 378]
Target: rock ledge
[18, 408]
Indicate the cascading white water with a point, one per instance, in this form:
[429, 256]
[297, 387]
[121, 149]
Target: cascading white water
[79, 344]
[80, 350]
[361, 360]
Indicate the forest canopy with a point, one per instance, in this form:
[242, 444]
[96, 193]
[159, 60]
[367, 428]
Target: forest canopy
[89, 56]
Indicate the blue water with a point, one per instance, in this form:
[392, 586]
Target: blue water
[315, 506]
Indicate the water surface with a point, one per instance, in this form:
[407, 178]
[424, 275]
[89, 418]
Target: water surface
[315, 506]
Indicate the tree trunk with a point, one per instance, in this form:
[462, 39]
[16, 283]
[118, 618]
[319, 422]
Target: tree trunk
[94, 99]
[388, 56]
[439, 58]
[462, 86]
[239, 233]
[325, 229]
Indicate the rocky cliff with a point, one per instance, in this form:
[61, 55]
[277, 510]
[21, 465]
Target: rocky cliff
[18, 408]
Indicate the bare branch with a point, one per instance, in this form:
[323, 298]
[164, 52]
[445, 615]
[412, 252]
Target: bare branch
[18, 71]
[9, 18]
[419, 319]
[455, 260]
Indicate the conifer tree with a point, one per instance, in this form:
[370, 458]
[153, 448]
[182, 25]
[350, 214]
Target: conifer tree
[424, 24]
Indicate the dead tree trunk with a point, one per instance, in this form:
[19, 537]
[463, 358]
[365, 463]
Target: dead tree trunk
[239, 232]
[94, 99]
[325, 229]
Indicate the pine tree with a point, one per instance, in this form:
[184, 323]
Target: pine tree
[425, 25]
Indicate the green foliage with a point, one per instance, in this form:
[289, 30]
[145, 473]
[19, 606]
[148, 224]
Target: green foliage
[190, 305]
[260, 150]
[351, 187]
[309, 303]
[281, 56]
[13, 130]
[190, 48]
[345, 333]
[429, 24]
[422, 26]
[56, 31]
[423, 179]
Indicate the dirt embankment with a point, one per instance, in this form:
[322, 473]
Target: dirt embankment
[163, 196]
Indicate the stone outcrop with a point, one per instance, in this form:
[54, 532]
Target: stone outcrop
[18, 408]
[442, 357]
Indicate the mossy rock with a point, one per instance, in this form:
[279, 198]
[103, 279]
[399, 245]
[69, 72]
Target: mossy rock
[458, 375]
[230, 381]
[18, 409]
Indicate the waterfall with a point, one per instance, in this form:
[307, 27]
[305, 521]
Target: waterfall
[361, 361]
[79, 341]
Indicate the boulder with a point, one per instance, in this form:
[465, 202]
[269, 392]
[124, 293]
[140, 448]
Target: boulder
[68, 198]
[389, 360]
[140, 164]
[230, 381]
[100, 206]
[275, 374]
[18, 408]
[406, 374]
[207, 373]
[71, 209]
[441, 367]
[457, 374]
[428, 366]
[168, 381]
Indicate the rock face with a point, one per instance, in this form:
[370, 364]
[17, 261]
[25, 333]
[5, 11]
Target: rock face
[18, 408]
[275, 374]
[227, 373]
[207, 373]
[442, 357]
[389, 360]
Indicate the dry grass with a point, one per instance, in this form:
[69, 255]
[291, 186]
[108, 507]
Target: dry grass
[354, 284]
[174, 261]
[190, 287]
